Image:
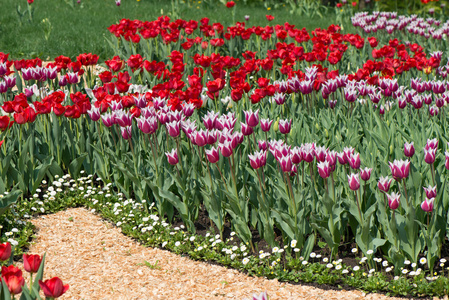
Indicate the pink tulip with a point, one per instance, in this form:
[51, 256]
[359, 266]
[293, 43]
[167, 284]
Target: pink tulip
[427, 205]
[324, 169]
[320, 153]
[431, 192]
[246, 129]
[307, 152]
[384, 184]
[188, 109]
[400, 169]
[173, 128]
[285, 126]
[393, 200]
[212, 155]
[365, 174]
[447, 160]
[252, 118]
[295, 154]
[126, 132]
[431, 144]
[286, 163]
[225, 148]
[354, 161]
[429, 155]
[409, 149]
[354, 181]
[172, 157]
[265, 124]
[262, 145]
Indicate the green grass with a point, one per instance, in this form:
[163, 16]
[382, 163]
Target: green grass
[82, 28]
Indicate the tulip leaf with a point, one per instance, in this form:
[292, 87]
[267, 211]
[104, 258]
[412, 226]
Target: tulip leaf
[7, 200]
[5, 291]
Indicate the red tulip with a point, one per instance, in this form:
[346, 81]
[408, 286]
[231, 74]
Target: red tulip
[230, 4]
[31, 262]
[14, 283]
[53, 288]
[5, 249]
[269, 18]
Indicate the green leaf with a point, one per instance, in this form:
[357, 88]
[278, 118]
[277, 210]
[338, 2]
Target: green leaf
[76, 165]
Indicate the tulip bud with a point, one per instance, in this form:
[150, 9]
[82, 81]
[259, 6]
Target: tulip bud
[286, 163]
[246, 129]
[252, 119]
[173, 128]
[354, 161]
[31, 263]
[126, 132]
[384, 184]
[225, 148]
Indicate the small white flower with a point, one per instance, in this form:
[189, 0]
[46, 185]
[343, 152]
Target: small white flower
[245, 260]
[338, 267]
[407, 262]
[369, 252]
[296, 250]
[354, 250]
[423, 260]
[325, 259]
[313, 255]
[345, 271]
[304, 262]
[164, 244]
[329, 266]
[177, 244]
[192, 238]
[385, 263]
[404, 271]
[275, 249]
[371, 271]
[293, 243]
[413, 265]
[356, 268]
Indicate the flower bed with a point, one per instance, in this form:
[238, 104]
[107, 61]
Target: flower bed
[304, 138]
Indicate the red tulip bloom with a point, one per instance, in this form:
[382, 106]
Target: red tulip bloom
[14, 283]
[269, 18]
[31, 263]
[53, 288]
[30, 1]
[230, 4]
[5, 249]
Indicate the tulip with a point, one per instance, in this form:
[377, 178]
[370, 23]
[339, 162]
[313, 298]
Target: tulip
[409, 149]
[285, 126]
[307, 152]
[286, 163]
[365, 174]
[265, 124]
[427, 205]
[53, 288]
[209, 120]
[172, 157]
[159, 103]
[107, 119]
[225, 148]
[188, 109]
[246, 129]
[14, 283]
[320, 153]
[118, 2]
[384, 184]
[295, 154]
[399, 169]
[262, 145]
[429, 155]
[433, 111]
[354, 161]
[173, 128]
[279, 98]
[341, 158]
[393, 200]
[324, 169]
[331, 158]
[354, 181]
[432, 144]
[126, 132]
[252, 118]
[212, 155]
[94, 113]
[5, 250]
[31, 263]
[211, 136]
[3, 87]
[123, 118]
[431, 192]
[200, 138]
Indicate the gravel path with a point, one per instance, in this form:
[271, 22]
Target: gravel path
[101, 263]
